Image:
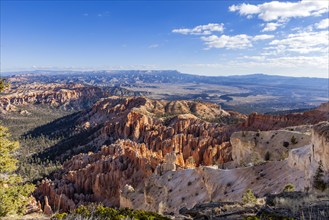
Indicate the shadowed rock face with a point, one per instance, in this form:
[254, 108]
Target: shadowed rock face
[320, 140]
[152, 130]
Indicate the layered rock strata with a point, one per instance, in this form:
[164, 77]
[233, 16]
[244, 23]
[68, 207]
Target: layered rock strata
[72, 96]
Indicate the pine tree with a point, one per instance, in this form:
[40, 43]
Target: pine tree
[3, 84]
[14, 194]
[249, 197]
[318, 182]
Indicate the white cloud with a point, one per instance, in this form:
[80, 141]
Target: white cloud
[206, 29]
[291, 61]
[104, 14]
[277, 13]
[323, 24]
[153, 46]
[272, 26]
[240, 41]
[303, 43]
[282, 11]
[230, 42]
[258, 58]
[262, 37]
[245, 9]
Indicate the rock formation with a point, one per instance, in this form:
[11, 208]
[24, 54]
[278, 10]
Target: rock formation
[307, 158]
[99, 177]
[72, 96]
[161, 165]
[273, 122]
[153, 141]
[185, 188]
[160, 127]
[47, 209]
[256, 147]
[66, 96]
[320, 144]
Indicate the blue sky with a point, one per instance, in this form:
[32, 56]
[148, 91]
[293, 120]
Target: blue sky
[199, 37]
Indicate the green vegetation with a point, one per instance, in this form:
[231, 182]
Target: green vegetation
[3, 84]
[318, 181]
[19, 124]
[274, 216]
[14, 194]
[252, 218]
[106, 213]
[31, 167]
[249, 197]
[289, 188]
[294, 140]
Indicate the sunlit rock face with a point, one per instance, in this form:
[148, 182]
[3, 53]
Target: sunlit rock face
[250, 147]
[65, 96]
[164, 127]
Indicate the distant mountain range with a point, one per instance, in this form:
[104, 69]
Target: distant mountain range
[244, 93]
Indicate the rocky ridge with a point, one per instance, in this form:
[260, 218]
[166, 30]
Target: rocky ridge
[274, 122]
[66, 96]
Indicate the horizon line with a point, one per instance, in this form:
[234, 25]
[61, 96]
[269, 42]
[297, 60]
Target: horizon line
[22, 72]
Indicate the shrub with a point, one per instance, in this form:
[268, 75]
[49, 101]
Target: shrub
[294, 140]
[251, 218]
[289, 188]
[82, 210]
[105, 212]
[59, 216]
[102, 212]
[249, 197]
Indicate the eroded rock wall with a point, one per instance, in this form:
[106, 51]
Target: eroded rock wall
[249, 147]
